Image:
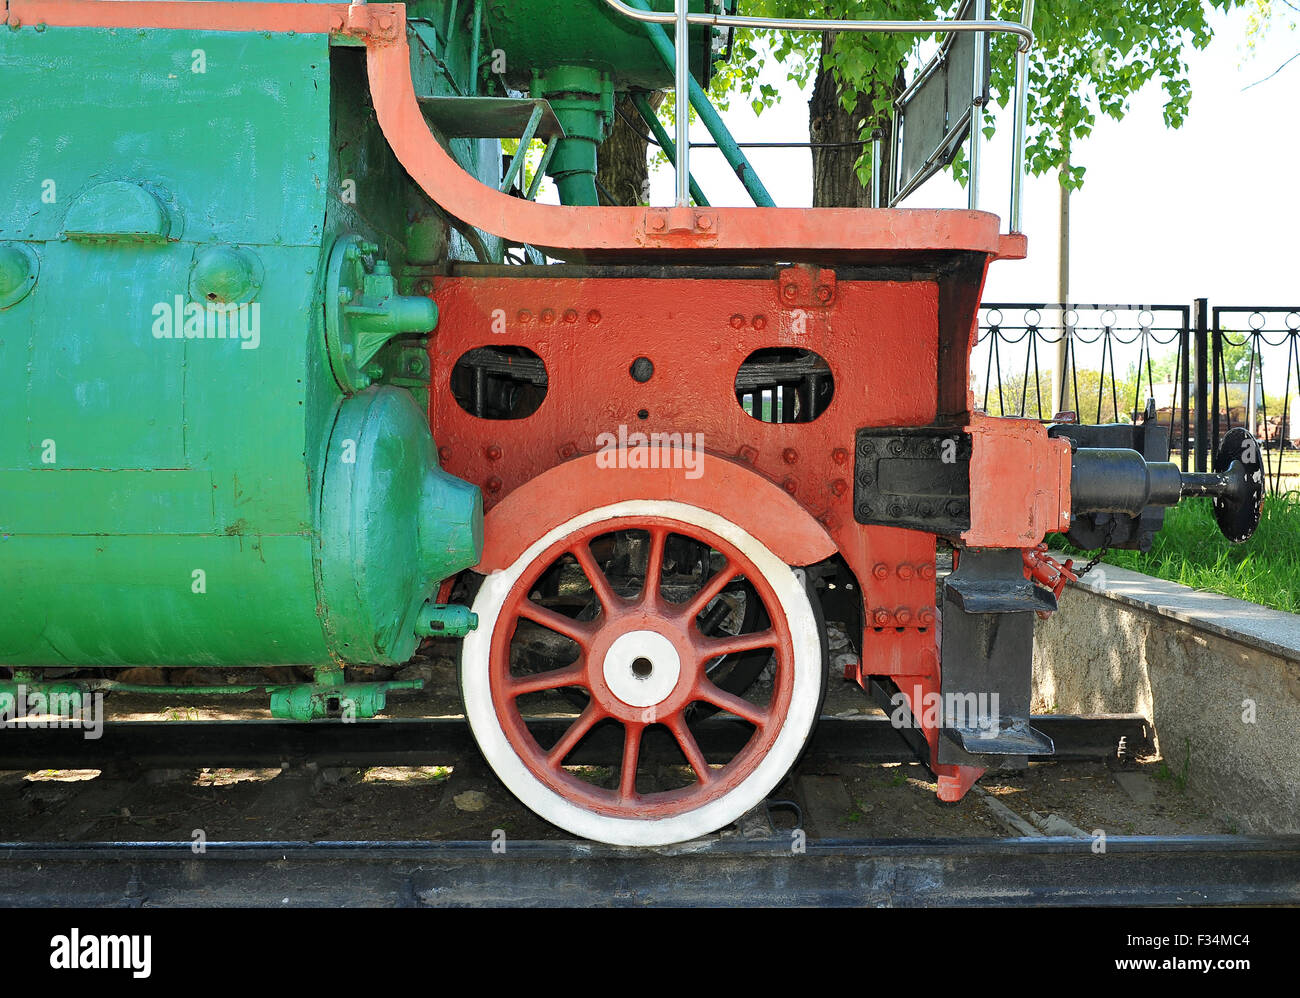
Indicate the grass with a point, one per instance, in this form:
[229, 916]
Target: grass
[1191, 551]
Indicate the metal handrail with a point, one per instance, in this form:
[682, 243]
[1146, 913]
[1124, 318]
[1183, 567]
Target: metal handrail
[826, 24]
[682, 19]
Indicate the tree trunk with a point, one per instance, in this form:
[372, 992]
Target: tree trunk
[835, 180]
[621, 164]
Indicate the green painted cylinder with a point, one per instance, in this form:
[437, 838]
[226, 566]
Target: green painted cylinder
[538, 34]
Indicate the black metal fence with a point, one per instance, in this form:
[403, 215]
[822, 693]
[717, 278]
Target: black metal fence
[1207, 370]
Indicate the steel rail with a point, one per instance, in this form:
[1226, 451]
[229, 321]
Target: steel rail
[143, 745]
[784, 869]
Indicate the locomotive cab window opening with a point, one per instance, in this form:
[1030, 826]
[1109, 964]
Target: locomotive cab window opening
[499, 382]
[784, 385]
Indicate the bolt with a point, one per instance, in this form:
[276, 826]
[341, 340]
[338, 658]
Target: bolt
[493, 452]
[524, 316]
[657, 223]
[494, 484]
[823, 293]
[369, 249]
[570, 315]
[789, 455]
[345, 295]
[737, 321]
[839, 487]
[385, 21]
[704, 222]
[568, 450]
[760, 322]
[904, 571]
[424, 287]
[548, 316]
[444, 454]
[880, 571]
[593, 317]
[839, 455]
[789, 292]
[790, 485]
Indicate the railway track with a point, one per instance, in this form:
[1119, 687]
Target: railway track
[757, 863]
[1139, 870]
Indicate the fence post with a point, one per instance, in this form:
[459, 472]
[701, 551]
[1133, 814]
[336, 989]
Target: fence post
[1185, 367]
[1202, 384]
[1216, 362]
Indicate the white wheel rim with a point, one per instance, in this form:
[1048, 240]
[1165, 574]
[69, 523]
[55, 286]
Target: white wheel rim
[476, 658]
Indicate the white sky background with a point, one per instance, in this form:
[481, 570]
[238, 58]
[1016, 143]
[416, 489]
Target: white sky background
[1208, 210]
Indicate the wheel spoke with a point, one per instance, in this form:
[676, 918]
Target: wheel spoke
[711, 648]
[577, 730]
[654, 564]
[554, 679]
[631, 757]
[690, 748]
[609, 600]
[575, 630]
[712, 693]
[711, 589]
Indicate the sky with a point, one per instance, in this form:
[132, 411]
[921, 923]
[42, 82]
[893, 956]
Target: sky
[1208, 210]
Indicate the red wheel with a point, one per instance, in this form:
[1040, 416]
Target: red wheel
[637, 654]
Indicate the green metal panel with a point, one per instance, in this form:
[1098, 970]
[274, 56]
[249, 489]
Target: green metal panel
[166, 396]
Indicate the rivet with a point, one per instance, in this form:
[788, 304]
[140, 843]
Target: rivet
[927, 571]
[760, 322]
[904, 571]
[881, 616]
[926, 616]
[839, 487]
[790, 485]
[593, 317]
[880, 570]
[839, 455]
[789, 455]
[494, 484]
[444, 454]
[903, 615]
[570, 315]
[737, 321]
[493, 452]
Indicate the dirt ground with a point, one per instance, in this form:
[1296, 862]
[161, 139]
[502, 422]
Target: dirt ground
[466, 802]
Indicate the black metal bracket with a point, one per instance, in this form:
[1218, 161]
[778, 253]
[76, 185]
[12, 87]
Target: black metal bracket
[913, 477]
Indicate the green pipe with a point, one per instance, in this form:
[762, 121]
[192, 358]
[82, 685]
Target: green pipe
[474, 46]
[709, 115]
[669, 147]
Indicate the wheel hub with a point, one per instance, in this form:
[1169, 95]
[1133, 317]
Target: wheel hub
[641, 669]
